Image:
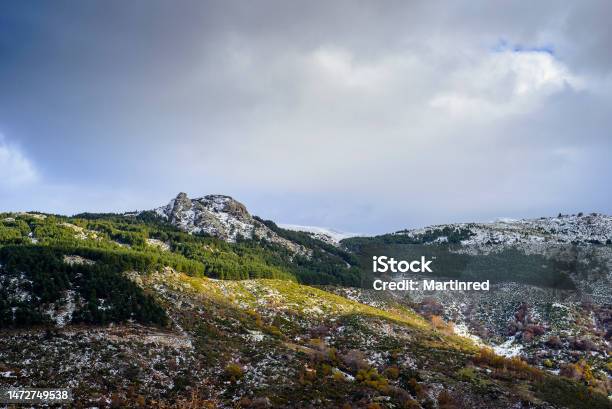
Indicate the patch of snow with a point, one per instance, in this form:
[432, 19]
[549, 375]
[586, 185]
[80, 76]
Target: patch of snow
[333, 234]
[256, 336]
[462, 330]
[159, 244]
[508, 349]
[63, 315]
[77, 260]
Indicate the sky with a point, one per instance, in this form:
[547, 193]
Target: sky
[364, 116]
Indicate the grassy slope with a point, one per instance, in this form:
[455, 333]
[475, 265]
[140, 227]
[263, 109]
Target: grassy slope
[291, 315]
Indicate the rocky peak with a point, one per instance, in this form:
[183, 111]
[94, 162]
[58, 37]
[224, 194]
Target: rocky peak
[177, 206]
[220, 216]
[217, 215]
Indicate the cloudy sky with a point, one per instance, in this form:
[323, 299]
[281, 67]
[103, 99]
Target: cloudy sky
[364, 116]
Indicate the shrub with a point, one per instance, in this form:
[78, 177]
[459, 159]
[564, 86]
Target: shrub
[439, 324]
[583, 344]
[565, 393]
[233, 372]
[339, 376]
[416, 388]
[579, 371]
[554, 342]
[274, 331]
[373, 379]
[515, 364]
[354, 360]
[392, 372]
[322, 353]
[466, 374]
[445, 400]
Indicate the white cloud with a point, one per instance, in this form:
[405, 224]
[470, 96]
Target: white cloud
[505, 83]
[15, 168]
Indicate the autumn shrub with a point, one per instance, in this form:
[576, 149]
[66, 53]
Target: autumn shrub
[322, 353]
[392, 372]
[354, 360]
[410, 404]
[416, 388]
[339, 376]
[445, 400]
[307, 376]
[569, 394]
[373, 379]
[442, 326]
[466, 374]
[233, 372]
[580, 371]
[554, 342]
[274, 331]
[486, 357]
[326, 369]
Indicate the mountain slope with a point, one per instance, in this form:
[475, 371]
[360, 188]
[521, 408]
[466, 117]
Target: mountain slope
[271, 343]
[550, 300]
[130, 311]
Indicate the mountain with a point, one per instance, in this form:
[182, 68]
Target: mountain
[545, 231]
[550, 300]
[182, 308]
[326, 234]
[222, 217]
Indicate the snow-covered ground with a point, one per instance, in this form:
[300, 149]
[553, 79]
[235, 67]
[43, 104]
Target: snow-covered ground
[321, 233]
[594, 228]
[509, 348]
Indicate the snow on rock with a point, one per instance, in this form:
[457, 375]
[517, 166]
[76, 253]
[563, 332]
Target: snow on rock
[509, 348]
[462, 330]
[61, 313]
[223, 217]
[16, 288]
[531, 234]
[325, 234]
[73, 259]
[217, 215]
[159, 244]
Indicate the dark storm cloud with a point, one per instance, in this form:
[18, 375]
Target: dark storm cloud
[368, 116]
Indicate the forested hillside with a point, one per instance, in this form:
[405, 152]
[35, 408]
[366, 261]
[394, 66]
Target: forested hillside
[44, 256]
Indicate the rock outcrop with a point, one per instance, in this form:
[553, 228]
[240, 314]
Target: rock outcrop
[222, 217]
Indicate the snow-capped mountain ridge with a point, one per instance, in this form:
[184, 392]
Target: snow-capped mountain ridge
[593, 228]
[325, 234]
